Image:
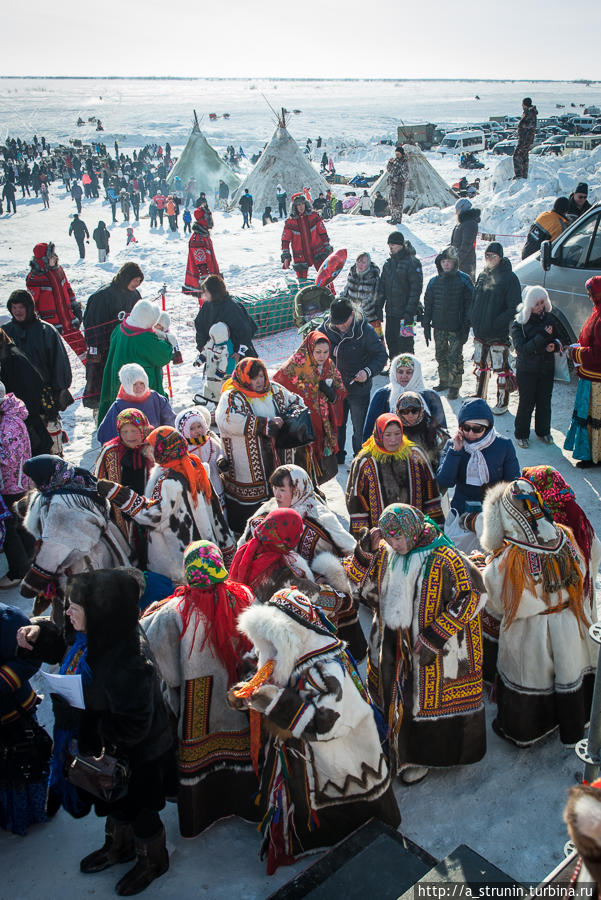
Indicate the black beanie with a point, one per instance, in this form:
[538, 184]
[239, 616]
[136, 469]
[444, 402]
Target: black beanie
[495, 247]
[527, 101]
[582, 188]
[395, 237]
[561, 205]
[340, 311]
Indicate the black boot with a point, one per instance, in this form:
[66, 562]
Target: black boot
[152, 861]
[118, 847]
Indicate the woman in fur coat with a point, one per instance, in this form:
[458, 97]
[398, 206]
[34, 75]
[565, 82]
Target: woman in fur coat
[535, 587]
[425, 651]
[179, 505]
[268, 561]
[70, 521]
[535, 342]
[387, 469]
[325, 772]
[194, 639]
[249, 417]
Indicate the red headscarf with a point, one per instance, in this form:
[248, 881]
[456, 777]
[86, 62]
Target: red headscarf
[240, 379]
[171, 452]
[274, 537]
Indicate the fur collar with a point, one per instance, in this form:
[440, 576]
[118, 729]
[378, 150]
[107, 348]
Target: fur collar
[399, 591]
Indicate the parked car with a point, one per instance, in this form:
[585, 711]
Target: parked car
[546, 149]
[505, 147]
[563, 268]
[462, 141]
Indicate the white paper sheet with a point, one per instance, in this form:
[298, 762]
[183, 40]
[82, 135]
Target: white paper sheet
[68, 686]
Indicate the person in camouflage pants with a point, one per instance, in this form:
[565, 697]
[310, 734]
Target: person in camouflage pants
[398, 173]
[526, 132]
[449, 356]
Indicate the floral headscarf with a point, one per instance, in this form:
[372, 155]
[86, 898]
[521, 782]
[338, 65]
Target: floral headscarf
[374, 446]
[402, 520]
[273, 539]
[240, 379]
[53, 475]
[136, 418]
[203, 564]
[302, 375]
[415, 383]
[171, 452]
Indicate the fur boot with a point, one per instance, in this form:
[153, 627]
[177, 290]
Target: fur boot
[118, 847]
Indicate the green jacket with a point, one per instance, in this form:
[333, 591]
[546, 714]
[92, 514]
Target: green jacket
[130, 345]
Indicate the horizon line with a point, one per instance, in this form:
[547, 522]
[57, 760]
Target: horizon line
[587, 81]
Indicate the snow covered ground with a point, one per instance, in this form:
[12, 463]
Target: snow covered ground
[508, 807]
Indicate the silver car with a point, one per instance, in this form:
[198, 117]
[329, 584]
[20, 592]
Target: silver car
[563, 268]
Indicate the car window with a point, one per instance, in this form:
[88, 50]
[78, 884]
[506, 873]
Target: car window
[573, 252]
[594, 255]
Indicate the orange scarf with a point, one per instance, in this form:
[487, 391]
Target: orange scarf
[171, 452]
[240, 380]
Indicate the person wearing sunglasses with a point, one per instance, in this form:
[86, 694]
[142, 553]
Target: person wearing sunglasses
[476, 458]
[419, 426]
[578, 201]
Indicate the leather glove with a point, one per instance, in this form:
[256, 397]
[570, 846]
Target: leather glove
[328, 390]
[77, 309]
[427, 334]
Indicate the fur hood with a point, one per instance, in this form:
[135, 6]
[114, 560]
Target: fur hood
[143, 315]
[299, 198]
[278, 636]
[530, 297]
[129, 374]
[468, 215]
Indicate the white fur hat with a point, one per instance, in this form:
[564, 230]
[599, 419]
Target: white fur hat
[530, 297]
[163, 322]
[143, 315]
[188, 417]
[219, 332]
[129, 374]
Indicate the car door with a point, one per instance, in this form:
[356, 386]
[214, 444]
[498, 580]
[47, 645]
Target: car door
[576, 257]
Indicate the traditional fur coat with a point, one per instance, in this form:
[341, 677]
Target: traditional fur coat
[434, 709]
[323, 532]
[325, 772]
[168, 512]
[216, 778]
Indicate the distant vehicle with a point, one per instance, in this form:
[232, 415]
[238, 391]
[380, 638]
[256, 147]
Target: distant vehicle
[582, 141]
[548, 149]
[564, 267]
[424, 134]
[505, 147]
[460, 141]
[583, 123]
[592, 111]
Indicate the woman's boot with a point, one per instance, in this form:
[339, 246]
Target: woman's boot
[118, 847]
[152, 861]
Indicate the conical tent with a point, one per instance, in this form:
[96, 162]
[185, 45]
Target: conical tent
[281, 162]
[200, 161]
[424, 187]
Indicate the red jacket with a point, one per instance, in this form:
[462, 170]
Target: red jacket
[589, 352]
[309, 239]
[160, 201]
[201, 260]
[53, 297]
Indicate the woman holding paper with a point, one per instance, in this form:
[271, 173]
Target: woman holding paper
[124, 714]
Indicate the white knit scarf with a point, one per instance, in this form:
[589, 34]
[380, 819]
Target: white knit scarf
[477, 471]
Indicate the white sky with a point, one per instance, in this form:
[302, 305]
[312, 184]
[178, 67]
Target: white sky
[505, 39]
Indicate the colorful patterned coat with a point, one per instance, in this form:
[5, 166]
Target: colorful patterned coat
[432, 702]
[15, 446]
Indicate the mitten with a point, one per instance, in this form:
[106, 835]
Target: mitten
[328, 390]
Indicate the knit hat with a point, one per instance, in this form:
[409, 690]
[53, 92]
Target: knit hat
[144, 315]
[199, 215]
[163, 322]
[449, 253]
[340, 311]
[129, 374]
[396, 238]
[462, 205]
[530, 297]
[582, 188]
[495, 247]
[219, 332]
[187, 417]
[472, 410]
[203, 564]
[40, 251]
[561, 205]
[593, 286]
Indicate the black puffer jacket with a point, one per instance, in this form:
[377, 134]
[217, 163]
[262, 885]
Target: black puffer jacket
[447, 300]
[401, 284]
[360, 348]
[530, 341]
[496, 296]
[362, 289]
[463, 240]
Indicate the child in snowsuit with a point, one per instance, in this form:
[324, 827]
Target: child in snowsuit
[194, 425]
[161, 328]
[131, 238]
[219, 360]
[187, 219]
[447, 302]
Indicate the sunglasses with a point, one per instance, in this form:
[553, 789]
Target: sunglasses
[411, 411]
[474, 429]
[579, 196]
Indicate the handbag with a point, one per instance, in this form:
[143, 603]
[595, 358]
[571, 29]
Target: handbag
[297, 430]
[562, 369]
[104, 777]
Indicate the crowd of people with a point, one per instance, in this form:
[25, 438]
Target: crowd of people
[207, 595]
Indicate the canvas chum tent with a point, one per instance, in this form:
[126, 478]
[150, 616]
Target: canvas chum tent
[424, 187]
[281, 162]
[200, 161]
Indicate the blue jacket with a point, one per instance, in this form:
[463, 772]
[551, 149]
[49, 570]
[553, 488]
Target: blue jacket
[502, 465]
[156, 408]
[360, 348]
[380, 403]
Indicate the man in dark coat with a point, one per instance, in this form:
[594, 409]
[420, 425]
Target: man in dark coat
[464, 236]
[359, 356]
[79, 230]
[447, 303]
[578, 201]
[21, 378]
[8, 194]
[399, 290]
[102, 314]
[246, 207]
[526, 133]
[41, 343]
[496, 296]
